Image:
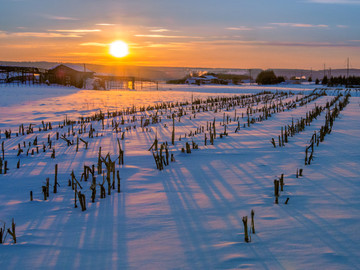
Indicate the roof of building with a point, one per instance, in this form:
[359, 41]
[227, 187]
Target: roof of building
[210, 77]
[74, 67]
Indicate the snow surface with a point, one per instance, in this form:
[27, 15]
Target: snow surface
[188, 216]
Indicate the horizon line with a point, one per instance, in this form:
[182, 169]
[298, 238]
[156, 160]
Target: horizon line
[185, 67]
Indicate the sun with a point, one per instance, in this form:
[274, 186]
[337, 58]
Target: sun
[119, 49]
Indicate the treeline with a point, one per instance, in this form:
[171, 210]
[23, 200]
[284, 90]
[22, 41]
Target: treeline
[341, 80]
[268, 77]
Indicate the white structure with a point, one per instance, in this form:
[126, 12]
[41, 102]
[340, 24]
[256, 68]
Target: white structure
[207, 79]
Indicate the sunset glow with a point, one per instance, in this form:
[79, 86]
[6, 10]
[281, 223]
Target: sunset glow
[241, 34]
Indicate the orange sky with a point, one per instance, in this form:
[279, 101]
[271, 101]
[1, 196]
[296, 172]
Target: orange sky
[209, 34]
[175, 53]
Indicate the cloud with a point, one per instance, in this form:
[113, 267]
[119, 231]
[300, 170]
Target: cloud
[300, 25]
[165, 45]
[306, 44]
[94, 44]
[273, 43]
[84, 53]
[24, 46]
[266, 27]
[104, 24]
[160, 30]
[3, 34]
[38, 34]
[76, 30]
[59, 18]
[354, 2]
[342, 26]
[239, 28]
[164, 36]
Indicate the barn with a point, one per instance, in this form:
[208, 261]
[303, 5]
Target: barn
[70, 75]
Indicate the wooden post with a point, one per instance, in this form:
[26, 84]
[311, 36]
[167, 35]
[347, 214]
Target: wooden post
[244, 219]
[252, 221]
[99, 161]
[72, 180]
[75, 195]
[47, 186]
[3, 150]
[56, 182]
[118, 181]
[12, 232]
[279, 141]
[44, 192]
[2, 231]
[113, 172]
[93, 189]
[276, 191]
[282, 182]
[173, 131]
[82, 201]
[273, 142]
[5, 167]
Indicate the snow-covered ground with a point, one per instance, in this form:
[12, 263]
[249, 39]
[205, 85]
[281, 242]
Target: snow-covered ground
[189, 215]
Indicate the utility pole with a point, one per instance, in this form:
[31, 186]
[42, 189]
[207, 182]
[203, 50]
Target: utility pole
[347, 72]
[250, 75]
[84, 77]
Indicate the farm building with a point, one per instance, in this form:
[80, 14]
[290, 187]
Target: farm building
[205, 79]
[23, 75]
[71, 75]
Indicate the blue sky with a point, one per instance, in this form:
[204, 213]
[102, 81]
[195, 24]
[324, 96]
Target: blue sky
[228, 33]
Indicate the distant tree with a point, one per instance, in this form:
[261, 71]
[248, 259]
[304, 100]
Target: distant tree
[267, 77]
[324, 80]
[343, 80]
[280, 79]
[310, 79]
[317, 81]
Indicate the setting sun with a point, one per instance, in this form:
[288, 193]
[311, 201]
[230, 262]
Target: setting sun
[119, 49]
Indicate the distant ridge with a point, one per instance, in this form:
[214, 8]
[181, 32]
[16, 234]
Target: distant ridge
[168, 73]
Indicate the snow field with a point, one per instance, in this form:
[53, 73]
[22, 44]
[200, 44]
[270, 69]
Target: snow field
[188, 216]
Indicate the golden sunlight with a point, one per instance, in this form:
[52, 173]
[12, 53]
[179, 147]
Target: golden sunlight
[119, 49]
